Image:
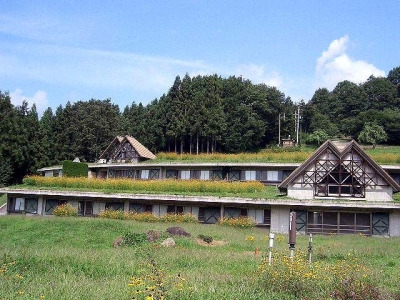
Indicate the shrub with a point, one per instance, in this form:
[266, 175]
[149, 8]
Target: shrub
[134, 239]
[65, 210]
[74, 169]
[241, 222]
[112, 214]
[179, 218]
[342, 279]
[154, 283]
[206, 238]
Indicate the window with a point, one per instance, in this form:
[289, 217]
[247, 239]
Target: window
[272, 175]
[144, 174]
[51, 204]
[140, 207]
[195, 174]
[234, 175]
[339, 222]
[172, 209]
[250, 175]
[216, 175]
[115, 205]
[235, 212]
[154, 174]
[185, 174]
[29, 205]
[172, 174]
[267, 217]
[205, 175]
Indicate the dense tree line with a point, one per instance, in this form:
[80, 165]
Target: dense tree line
[346, 110]
[201, 114]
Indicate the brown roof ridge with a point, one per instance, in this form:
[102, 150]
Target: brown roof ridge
[141, 150]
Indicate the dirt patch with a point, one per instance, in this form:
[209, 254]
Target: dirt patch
[214, 243]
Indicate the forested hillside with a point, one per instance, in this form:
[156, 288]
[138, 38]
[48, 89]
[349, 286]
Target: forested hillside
[201, 114]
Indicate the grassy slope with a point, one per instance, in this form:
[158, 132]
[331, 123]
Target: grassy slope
[73, 258]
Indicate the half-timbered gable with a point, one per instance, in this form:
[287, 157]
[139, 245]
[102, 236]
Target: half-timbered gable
[338, 170]
[126, 149]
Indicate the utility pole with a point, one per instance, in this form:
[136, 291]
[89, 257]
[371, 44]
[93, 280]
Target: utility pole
[279, 128]
[297, 118]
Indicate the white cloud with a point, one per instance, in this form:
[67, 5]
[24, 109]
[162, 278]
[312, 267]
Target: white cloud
[39, 98]
[95, 69]
[334, 66]
[257, 74]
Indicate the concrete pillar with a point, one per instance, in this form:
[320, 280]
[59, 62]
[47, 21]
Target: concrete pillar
[394, 223]
[280, 219]
[40, 208]
[126, 206]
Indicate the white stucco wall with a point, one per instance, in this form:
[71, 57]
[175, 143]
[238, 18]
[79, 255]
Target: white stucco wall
[299, 192]
[379, 194]
[280, 219]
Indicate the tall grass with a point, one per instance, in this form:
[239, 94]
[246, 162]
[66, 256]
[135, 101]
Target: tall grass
[195, 187]
[381, 154]
[271, 155]
[74, 258]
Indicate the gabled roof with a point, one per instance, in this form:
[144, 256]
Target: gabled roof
[341, 149]
[139, 148]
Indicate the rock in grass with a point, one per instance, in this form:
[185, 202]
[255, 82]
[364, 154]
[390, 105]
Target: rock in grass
[177, 231]
[153, 235]
[169, 242]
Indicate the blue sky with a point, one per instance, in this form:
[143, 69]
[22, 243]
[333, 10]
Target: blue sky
[52, 52]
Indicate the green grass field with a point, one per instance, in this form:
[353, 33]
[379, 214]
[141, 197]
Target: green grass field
[74, 258]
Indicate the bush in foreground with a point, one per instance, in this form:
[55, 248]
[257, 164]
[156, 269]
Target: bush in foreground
[241, 222]
[65, 210]
[147, 216]
[346, 279]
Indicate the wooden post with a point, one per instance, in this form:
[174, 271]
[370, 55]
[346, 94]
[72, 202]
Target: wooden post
[310, 250]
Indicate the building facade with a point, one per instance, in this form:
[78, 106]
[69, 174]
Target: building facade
[338, 190]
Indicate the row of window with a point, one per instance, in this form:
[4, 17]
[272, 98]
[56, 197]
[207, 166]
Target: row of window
[231, 175]
[329, 222]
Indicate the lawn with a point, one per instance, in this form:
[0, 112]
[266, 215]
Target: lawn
[74, 258]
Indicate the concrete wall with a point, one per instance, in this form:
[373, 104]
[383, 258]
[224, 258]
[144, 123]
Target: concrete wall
[394, 223]
[280, 219]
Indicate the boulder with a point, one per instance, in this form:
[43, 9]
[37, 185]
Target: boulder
[177, 231]
[153, 235]
[169, 242]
